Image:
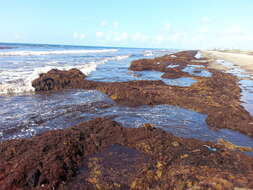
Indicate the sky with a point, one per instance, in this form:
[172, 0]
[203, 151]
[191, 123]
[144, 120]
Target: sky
[195, 24]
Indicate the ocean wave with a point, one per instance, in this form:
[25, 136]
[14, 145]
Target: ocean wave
[21, 82]
[36, 53]
[148, 53]
[121, 57]
[92, 66]
[117, 58]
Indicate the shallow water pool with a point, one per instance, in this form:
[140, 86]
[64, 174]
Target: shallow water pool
[43, 112]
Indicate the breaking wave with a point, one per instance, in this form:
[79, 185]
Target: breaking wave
[22, 82]
[148, 53]
[36, 53]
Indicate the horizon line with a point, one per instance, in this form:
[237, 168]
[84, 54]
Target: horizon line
[54, 44]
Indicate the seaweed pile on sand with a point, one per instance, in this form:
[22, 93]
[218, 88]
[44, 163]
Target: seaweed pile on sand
[102, 154]
[218, 96]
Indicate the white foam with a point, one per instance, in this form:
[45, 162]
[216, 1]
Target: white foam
[172, 66]
[92, 66]
[20, 81]
[36, 53]
[121, 57]
[89, 67]
[199, 55]
[148, 53]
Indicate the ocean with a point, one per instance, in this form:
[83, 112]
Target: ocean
[25, 113]
[22, 63]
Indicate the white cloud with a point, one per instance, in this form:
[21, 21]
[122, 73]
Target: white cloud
[203, 29]
[115, 24]
[139, 37]
[103, 23]
[122, 36]
[167, 27]
[79, 36]
[205, 19]
[16, 35]
[159, 38]
[234, 31]
[112, 36]
[75, 35]
[236, 35]
[108, 36]
[82, 36]
[178, 36]
[99, 34]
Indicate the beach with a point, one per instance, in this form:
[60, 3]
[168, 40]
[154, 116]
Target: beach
[239, 58]
[155, 119]
[126, 95]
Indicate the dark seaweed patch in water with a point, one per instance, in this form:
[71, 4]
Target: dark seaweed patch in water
[45, 112]
[179, 121]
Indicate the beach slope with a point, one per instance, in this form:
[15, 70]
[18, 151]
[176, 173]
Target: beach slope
[242, 59]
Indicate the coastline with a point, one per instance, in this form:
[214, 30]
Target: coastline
[209, 95]
[103, 154]
[242, 59]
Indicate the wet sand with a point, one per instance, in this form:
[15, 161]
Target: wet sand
[242, 59]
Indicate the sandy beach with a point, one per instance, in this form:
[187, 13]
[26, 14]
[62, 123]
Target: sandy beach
[239, 58]
[126, 95]
[106, 152]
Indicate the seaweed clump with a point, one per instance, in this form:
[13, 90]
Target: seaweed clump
[101, 154]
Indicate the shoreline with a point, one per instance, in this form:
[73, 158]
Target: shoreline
[241, 59]
[209, 95]
[103, 154]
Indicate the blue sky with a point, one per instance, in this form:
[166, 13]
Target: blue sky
[130, 23]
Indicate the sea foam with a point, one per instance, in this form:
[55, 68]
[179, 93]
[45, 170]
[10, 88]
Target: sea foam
[20, 81]
[55, 52]
[198, 55]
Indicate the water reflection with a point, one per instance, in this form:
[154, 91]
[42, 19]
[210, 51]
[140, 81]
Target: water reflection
[246, 84]
[45, 112]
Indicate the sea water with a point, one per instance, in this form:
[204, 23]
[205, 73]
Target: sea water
[22, 63]
[24, 113]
